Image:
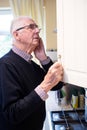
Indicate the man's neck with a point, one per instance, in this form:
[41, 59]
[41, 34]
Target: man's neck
[24, 48]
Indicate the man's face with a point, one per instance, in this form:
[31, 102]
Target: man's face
[28, 34]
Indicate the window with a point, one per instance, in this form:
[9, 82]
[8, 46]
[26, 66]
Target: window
[5, 37]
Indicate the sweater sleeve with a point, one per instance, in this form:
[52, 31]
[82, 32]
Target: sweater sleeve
[15, 106]
[46, 65]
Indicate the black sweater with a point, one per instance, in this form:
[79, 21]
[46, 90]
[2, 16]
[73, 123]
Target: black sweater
[21, 108]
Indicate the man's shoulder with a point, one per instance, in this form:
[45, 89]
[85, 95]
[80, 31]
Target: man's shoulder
[7, 58]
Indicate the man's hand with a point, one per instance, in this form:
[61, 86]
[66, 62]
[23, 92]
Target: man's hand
[40, 51]
[53, 77]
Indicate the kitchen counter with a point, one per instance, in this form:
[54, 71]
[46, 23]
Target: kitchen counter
[52, 105]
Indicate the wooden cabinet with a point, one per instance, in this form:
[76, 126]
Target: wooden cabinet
[72, 40]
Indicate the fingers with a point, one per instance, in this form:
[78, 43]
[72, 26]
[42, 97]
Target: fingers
[56, 67]
[53, 77]
[56, 71]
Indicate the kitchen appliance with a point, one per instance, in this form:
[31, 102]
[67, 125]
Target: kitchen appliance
[67, 120]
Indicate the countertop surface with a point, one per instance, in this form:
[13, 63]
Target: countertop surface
[53, 105]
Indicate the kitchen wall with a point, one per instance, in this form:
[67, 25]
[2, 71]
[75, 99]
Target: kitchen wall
[4, 3]
[51, 37]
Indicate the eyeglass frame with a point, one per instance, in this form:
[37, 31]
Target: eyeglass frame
[30, 26]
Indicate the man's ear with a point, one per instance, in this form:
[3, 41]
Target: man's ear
[16, 35]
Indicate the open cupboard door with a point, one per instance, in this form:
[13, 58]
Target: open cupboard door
[72, 40]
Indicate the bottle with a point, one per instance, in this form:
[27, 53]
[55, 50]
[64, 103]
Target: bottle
[86, 105]
[74, 98]
[59, 97]
[81, 98]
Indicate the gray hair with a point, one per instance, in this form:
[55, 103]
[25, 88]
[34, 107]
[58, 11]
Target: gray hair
[18, 22]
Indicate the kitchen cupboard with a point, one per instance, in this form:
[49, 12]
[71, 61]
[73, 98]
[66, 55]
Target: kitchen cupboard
[72, 40]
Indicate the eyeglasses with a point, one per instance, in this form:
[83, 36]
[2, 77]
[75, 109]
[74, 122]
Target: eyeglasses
[30, 26]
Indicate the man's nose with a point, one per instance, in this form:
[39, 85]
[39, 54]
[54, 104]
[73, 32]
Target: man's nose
[37, 30]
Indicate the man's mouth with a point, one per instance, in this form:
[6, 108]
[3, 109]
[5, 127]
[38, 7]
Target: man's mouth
[36, 37]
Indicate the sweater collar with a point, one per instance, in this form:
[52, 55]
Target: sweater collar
[22, 54]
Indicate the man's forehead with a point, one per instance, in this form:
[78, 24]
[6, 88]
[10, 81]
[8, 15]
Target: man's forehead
[27, 21]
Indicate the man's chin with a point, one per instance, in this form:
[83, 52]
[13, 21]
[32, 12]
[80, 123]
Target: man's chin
[36, 43]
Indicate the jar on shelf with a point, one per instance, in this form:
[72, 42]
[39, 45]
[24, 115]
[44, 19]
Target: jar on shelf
[81, 98]
[74, 100]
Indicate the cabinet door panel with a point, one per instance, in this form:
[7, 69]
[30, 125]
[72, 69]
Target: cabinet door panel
[72, 39]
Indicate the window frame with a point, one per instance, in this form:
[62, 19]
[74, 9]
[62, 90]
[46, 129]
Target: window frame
[5, 37]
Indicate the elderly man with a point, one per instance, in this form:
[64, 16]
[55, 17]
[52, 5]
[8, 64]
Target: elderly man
[23, 83]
